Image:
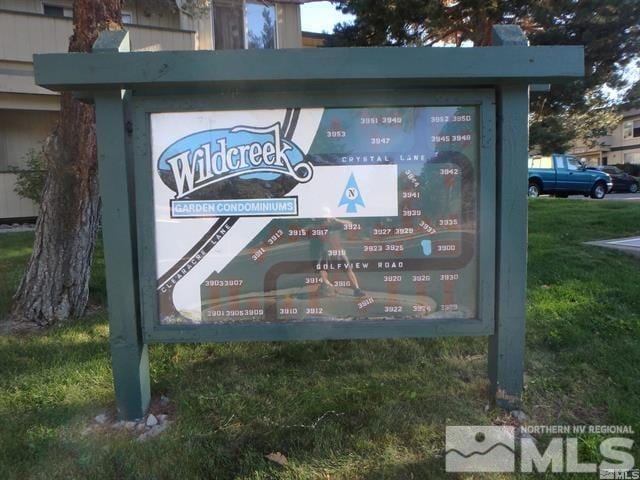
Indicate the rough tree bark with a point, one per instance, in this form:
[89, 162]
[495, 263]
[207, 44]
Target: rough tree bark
[55, 285]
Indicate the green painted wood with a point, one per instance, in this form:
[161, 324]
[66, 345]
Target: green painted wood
[129, 356]
[506, 345]
[153, 332]
[318, 331]
[502, 35]
[427, 66]
[112, 41]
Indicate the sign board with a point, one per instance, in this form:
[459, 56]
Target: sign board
[312, 194]
[306, 215]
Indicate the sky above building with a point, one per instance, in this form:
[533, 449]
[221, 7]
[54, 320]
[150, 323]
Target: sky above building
[321, 17]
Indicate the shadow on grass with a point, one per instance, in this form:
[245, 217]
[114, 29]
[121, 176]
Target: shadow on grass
[60, 349]
[378, 403]
[308, 399]
[428, 468]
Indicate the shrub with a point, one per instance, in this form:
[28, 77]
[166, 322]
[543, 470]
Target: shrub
[30, 180]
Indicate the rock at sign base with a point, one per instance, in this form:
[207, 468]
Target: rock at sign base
[520, 416]
[156, 430]
[101, 419]
[152, 420]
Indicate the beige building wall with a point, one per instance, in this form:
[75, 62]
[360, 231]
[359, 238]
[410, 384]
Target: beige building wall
[13, 205]
[314, 40]
[624, 150]
[45, 103]
[146, 17]
[23, 34]
[139, 15]
[202, 25]
[613, 148]
[21, 131]
[32, 6]
[28, 112]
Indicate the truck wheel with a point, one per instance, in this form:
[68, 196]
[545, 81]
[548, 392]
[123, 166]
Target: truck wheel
[633, 188]
[534, 190]
[599, 191]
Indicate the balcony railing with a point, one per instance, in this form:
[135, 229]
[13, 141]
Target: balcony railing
[23, 34]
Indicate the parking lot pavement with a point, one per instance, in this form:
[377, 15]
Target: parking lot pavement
[16, 227]
[626, 197]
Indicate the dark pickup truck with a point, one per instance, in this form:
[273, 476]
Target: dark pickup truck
[564, 175]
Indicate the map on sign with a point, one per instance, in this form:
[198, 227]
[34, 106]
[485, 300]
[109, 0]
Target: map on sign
[303, 215]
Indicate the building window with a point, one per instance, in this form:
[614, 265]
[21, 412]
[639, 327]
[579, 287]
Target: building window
[56, 11]
[126, 18]
[261, 25]
[241, 24]
[631, 129]
[228, 25]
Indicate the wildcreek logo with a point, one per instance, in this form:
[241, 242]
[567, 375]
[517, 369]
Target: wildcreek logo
[205, 158]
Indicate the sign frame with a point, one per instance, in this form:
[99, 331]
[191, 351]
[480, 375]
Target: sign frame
[483, 324]
[113, 78]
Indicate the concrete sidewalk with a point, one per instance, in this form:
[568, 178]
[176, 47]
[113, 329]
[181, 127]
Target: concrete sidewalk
[629, 245]
[16, 228]
[619, 197]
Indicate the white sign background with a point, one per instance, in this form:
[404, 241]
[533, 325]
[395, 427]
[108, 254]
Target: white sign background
[319, 198]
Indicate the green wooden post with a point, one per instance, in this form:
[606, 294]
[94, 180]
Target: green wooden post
[506, 345]
[129, 356]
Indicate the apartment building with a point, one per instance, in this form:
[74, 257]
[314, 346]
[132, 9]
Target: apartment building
[315, 40]
[622, 145]
[28, 112]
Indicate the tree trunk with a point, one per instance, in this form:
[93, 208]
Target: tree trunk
[55, 285]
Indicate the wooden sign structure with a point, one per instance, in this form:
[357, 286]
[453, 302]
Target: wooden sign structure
[312, 194]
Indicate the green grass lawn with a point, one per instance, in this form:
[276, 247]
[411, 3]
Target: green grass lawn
[382, 405]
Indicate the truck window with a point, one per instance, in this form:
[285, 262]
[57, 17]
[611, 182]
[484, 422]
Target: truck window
[559, 161]
[573, 163]
[540, 162]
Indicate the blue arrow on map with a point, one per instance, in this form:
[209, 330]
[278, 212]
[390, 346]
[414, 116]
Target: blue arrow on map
[351, 196]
